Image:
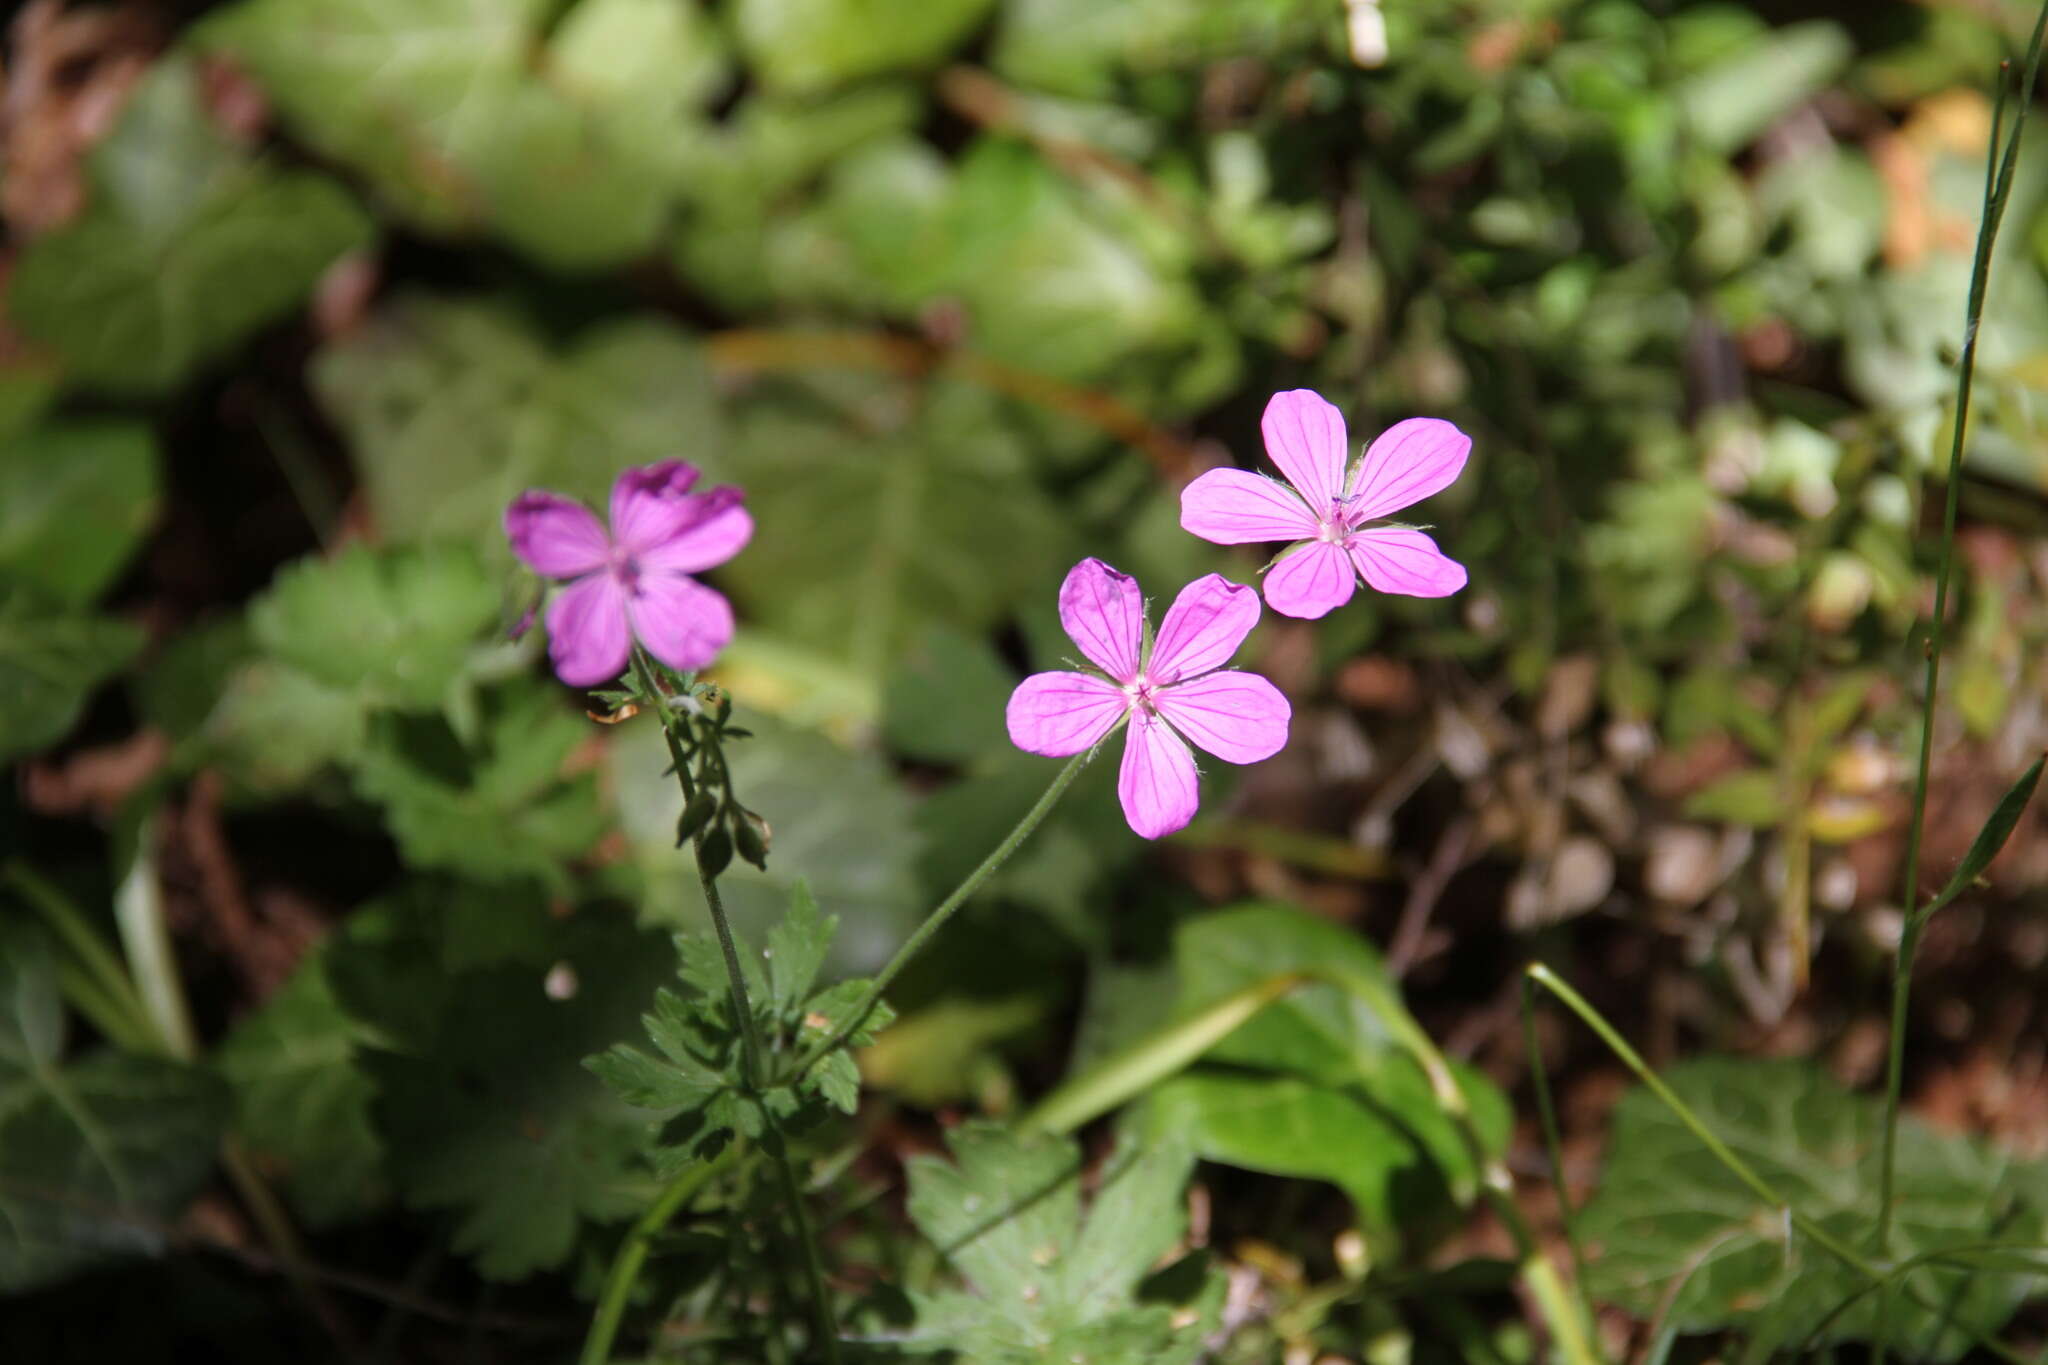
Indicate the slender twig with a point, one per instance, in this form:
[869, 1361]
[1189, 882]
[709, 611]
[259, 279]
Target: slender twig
[1998, 176]
[936, 920]
[1423, 894]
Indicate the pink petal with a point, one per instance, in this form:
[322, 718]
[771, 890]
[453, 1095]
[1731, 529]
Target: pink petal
[683, 623]
[556, 537]
[1203, 628]
[1231, 507]
[1058, 714]
[588, 635]
[1407, 462]
[1157, 782]
[1239, 717]
[1305, 437]
[1402, 559]
[651, 503]
[721, 530]
[1104, 614]
[1310, 580]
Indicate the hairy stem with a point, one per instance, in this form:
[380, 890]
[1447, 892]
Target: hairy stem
[944, 911]
[1998, 174]
[753, 1054]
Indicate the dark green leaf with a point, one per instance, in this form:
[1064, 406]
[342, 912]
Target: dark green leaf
[98, 1157]
[186, 247]
[51, 658]
[302, 1100]
[1681, 1237]
[75, 499]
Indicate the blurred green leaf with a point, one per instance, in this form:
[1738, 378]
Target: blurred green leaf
[51, 659]
[498, 809]
[393, 627]
[1744, 93]
[573, 145]
[187, 246]
[1753, 797]
[945, 701]
[1683, 1238]
[275, 727]
[842, 826]
[810, 45]
[452, 408]
[1045, 1285]
[75, 500]
[862, 540]
[97, 1157]
[302, 1101]
[1077, 47]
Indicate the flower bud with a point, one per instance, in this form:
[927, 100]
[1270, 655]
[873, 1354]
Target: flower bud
[714, 855]
[695, 816]
[750, 832]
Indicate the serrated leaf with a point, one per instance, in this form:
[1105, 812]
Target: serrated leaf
[1991, 838]
[394, 627]
[466, 113]
[796, 949]
[51, 659]
[1043, 1285]
[498, 810]
[483, 1100]
[186, 246]
[75, 500]
[452, 408]
[1680, 1236]
[97, 1157]
[302, 1101]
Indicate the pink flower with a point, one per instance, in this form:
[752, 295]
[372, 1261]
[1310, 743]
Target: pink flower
[634, 579]
[1326, 511]
[1183, 686]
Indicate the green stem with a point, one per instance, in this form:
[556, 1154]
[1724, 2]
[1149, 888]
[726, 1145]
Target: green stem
[1721, 1152]
[753, 1054]
[625, 1269]
[806, 1236]
[99, 961]
[1553, 1142]
[1998, 174]
[936, 920]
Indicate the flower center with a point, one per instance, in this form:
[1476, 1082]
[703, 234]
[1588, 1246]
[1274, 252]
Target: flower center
[1142, 692]
[624, 568]
[1334, 525]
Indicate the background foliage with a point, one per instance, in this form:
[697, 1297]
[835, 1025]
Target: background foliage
[298, 293]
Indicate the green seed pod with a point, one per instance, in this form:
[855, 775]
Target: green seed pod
[695, 816]
[751, 833]
[714, 855]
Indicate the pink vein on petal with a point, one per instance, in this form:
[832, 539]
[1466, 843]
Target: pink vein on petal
[1104, 614]
[556, 537]
[1305, 438]
[1060, 714]
[588, 635]
[1232, 507]
[1408, 462]
[1311, 580]
[1156, 783]
[1401, 559]
[1239, 717]
[1202, 629]
[683, 623]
